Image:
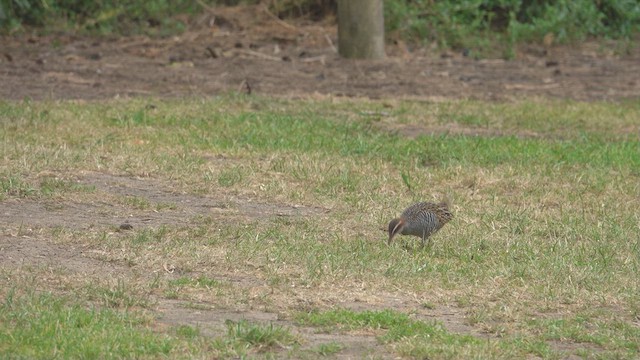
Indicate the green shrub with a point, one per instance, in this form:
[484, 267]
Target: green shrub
[155, 17]
[472, 24]
[463, 23]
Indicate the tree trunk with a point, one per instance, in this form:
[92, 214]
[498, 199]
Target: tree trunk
[361, 29]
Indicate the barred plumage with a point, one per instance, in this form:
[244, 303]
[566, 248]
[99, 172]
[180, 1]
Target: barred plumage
[422, 220]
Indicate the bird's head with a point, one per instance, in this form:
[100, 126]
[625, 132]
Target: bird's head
[395, 227]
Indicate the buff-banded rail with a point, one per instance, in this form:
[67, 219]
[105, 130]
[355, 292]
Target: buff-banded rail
[422, 220]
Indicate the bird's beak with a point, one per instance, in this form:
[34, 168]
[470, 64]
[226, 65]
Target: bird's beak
[394, 229]
[391, 236]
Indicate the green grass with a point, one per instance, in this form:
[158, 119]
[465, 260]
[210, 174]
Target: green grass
[328, 349]
[413, 338]
[396, 325]
[119, 295]
[244, 337]
[187, 331]
[15, 187]
[542, 254]
[582, 328]
[52, 186]
[199, 282]
[40, 326]
[47, 187]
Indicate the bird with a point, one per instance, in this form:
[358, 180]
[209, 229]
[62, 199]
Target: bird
[422, 219]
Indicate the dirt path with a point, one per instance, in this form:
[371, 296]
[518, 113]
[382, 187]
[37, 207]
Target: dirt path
[245, 50]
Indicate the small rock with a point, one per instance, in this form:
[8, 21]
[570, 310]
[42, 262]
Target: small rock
[214, 52]
[94, 56]
[126, 226]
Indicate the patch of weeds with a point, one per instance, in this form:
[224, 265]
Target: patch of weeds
[231, 177]
[585, 329]
[166, 206]
[187, 331]
[176, 288]
[260, 335]
[198, 306]
[201, 281]
[137, 202]
[328, 349]
[243, 337]
[398, 325]
[428, 305]
[50, 186]
[44, 326]
[413, 338]
[118, 296]
[172, 293]
[149, 235]
[15, 187]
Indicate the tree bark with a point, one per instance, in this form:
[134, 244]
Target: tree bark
[361, 29]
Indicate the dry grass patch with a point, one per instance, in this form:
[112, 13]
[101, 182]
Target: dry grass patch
[276, 206]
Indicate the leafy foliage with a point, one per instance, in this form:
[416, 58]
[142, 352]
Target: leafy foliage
[102, 17]
[472, 23]
[457, 24]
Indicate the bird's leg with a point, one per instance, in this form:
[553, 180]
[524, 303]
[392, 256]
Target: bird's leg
[423, 238]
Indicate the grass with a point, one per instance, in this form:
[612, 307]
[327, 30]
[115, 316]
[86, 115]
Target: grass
[420, 339]
[243, 336]
[328, 349]
[201, 281]
[118, 295]
[42, 326]
[46, 187]
[396, 325]
[540, 259]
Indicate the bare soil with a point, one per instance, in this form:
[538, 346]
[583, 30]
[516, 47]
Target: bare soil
[247, 50]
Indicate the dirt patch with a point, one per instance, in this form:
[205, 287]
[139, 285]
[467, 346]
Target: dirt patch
[175, 207]
[247, 50]
[571, 348]
[24, 250]
[212, 322]
[190, 204]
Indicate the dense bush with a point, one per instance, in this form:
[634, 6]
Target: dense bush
[456, 23]
[102, 16]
